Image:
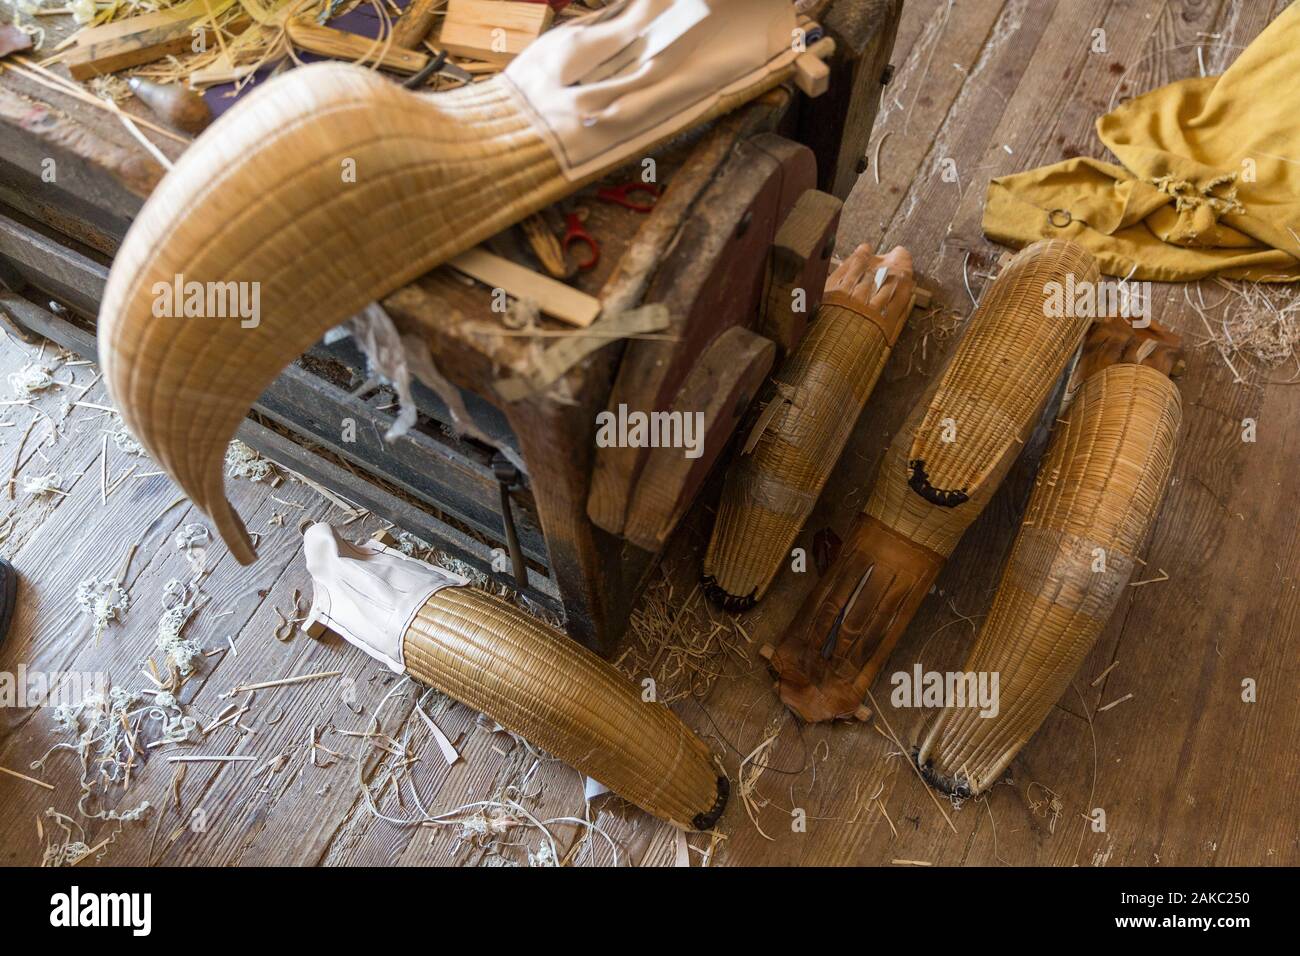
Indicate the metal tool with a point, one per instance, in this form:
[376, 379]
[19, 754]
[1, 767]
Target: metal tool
[637, 196]
[438, 64]
[507, 476]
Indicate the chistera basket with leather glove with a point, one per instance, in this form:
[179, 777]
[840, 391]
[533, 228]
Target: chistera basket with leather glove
[1097, 494]
[936, 477]
[531, 679]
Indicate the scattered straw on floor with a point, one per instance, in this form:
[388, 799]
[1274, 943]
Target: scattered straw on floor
[39, 485]
[243, 462]
[681, 644]
[1251, 325]
[30, 379]
[751, 769]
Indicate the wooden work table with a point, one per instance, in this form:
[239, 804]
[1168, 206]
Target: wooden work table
[58, 238]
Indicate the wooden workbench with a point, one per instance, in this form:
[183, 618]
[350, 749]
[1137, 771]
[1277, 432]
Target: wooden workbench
[58, 237]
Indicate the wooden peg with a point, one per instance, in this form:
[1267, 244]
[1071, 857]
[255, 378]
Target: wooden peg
[811, 74]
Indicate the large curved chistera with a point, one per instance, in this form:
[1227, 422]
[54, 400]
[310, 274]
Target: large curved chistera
[331, 186]
[1097, 494]
[936, 477]
[424, 621]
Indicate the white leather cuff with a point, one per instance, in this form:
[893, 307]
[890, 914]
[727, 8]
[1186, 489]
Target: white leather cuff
[607, 86]
[369, 594]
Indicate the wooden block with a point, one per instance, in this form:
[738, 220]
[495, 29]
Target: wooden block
[863, 713]
[811, 74]
[720, 386]
[385, 538]
[113, 47]
[800, 259]
[326, 41]
[315, 629]
[554, 298]
[767, 651]
[493, 30]
[88, 36]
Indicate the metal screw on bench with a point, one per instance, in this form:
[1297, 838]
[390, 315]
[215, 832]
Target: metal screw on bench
[507, 475]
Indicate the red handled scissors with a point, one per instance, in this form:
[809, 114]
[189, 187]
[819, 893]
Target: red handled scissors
[637, 196]
[575, 232]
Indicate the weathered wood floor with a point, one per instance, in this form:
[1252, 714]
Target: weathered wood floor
[1186, 772]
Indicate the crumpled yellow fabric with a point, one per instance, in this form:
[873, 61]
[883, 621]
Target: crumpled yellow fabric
[1210, 181]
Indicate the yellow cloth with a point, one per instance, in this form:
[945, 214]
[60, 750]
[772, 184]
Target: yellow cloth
[1210, 181]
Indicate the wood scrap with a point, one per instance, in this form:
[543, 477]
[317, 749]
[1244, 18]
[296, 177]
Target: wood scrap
[23, 776]
[282, 682]
[152, 36]
[495, 31]
[551, 297]
[327, 41]
[415, 23]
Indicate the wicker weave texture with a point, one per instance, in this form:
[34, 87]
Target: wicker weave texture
[987, 399]
[562, 698]
[770, 492]
[1006, 364]
[266, 196]
[1097, 493]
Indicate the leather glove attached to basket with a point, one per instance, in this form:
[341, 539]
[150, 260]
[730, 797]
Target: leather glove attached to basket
[483, 651]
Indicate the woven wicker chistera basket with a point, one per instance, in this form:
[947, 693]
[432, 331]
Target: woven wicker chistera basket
[263, 198]
[770, 491]
[1097, 493]
[936, 477]
[560, 697]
